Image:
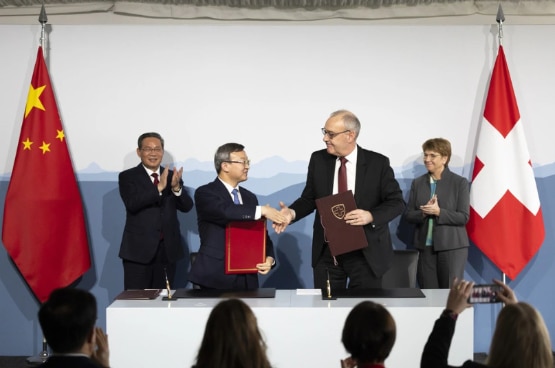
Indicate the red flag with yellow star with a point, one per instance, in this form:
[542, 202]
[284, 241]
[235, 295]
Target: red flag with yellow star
[44, 226]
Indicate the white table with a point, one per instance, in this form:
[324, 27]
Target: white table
[300, 330]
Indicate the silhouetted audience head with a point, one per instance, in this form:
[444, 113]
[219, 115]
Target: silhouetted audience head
[232, 338]
[369, 333]
[68, 319]
[520, 339]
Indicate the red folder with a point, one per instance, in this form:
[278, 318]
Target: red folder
[340, 236]
[245, 246]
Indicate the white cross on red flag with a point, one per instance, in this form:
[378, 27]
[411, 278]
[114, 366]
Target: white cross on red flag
[506, 220]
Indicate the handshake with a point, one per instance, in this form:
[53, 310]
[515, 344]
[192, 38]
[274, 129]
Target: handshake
[283, 217]
[280, 218]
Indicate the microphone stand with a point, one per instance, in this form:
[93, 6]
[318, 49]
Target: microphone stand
[41, 357]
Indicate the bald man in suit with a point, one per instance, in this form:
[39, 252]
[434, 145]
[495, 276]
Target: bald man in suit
[378, 197]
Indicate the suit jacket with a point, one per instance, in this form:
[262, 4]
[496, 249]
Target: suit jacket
[376, 190]
[436, 350]
[63, 361]
[449, 229]
[215, 209]
[150, 216]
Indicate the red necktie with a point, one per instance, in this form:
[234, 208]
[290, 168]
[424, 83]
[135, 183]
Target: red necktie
[342, 176]
[155, 176]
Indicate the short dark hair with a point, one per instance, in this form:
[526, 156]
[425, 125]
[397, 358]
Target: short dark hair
[149, 135]
[439, 145]
[369, 333]
[223, 154]
[67, 319]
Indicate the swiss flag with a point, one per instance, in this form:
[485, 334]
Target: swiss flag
[506, 220]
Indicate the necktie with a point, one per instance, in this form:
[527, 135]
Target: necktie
[235, 193]
[155, 176]
[155, 182]
[342, 176]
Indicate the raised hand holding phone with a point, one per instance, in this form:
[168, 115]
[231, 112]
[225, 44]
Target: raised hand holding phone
[498, 292]
[457, 300]
[506, 294]
[485, 293]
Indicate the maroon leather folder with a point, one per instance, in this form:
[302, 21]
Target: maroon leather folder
[340, 236]
[139, 294]
[245, 246]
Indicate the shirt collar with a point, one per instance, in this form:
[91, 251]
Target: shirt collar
[150, 172]
[227, 186]
[352, 157]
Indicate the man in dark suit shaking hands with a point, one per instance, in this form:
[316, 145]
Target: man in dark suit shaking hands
[377, 195]
[218, 203]
[152, 194]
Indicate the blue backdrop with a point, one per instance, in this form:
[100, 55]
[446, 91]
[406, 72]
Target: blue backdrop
[105, 215]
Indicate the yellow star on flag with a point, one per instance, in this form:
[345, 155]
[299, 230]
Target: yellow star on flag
[27, 144]
[60, 135]
[45, 147]
[33, 99]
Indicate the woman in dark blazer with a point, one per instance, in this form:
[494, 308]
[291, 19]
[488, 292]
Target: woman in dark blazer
[439, 207]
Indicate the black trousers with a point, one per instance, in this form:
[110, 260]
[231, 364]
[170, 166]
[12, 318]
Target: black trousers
[349, 270]
[151, 275]
[240, 283]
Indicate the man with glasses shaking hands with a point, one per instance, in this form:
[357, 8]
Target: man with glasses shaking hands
[152, 194]
[218, 203]
[378, 197]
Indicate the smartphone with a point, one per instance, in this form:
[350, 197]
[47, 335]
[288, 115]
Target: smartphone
[485, 293]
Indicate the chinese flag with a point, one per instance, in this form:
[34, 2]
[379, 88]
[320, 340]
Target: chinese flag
[44, 227]
[506, 220]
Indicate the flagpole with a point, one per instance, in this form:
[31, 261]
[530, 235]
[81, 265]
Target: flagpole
[500, 19]
[43, 19]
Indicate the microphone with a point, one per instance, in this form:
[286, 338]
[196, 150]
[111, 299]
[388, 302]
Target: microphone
[328, 286]
[168, 284]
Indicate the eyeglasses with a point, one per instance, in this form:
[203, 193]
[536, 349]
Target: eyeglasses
[331, 135]
[431, 156]
[244, 162]
[150, 149]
